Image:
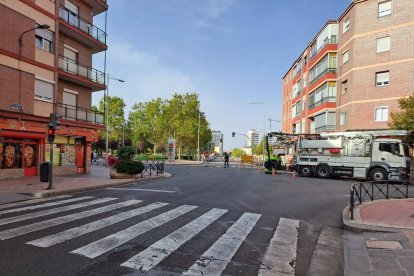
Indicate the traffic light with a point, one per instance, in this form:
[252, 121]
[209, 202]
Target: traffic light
[233, 134]
[52, 126]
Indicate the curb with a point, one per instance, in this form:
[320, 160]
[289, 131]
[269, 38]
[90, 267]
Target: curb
[356, 225]
[51, 193]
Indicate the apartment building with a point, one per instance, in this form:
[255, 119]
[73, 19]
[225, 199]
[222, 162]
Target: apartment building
[352, 74]
[309, 87]
[46, 49]
[376, 62]
[253, 138]
[217, 140]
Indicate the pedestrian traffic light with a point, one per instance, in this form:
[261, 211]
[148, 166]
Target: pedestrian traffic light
[51, 133]
[233, 134]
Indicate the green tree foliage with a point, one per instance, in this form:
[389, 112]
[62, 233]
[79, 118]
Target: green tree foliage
[404, 119]
[236, 152]
[116, 117]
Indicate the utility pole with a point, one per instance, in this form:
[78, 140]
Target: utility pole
[270, 121]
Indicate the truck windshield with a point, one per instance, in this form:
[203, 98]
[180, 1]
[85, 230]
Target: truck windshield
[406, 150]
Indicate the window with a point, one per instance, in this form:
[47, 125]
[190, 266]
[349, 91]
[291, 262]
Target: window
[344, 87]
[342, 119]
[345, 57]
[345, 26]
[381, 114]
[384, 8]
[383, 44]
[70, 99]
[393, 148]
[44, 90]
[44, 40]
[382, 78]
[305, 60]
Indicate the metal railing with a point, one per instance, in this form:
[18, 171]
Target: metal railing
[74, 113]
[324, 72]
[325, 128]
[153, 166]
[82, 24]
[372, 190]
[325, 43]
[70, 66]
[322, 101]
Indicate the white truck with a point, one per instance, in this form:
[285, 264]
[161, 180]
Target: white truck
[362, 154]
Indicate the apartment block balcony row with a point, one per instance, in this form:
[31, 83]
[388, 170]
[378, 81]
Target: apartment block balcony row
[322, 74]
[332, 41]
[74, 113]
[87, 76]
[85, 31]
[321, 102]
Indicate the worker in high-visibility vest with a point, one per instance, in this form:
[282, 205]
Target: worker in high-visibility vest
[269, 164]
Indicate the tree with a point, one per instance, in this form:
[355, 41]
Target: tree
[141, 146]
[116, 118]
[236, 152]
[113, 145]
[128, 142]
[404, 119]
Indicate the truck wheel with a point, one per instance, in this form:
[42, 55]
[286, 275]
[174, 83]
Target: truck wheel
[323, 171]
[305, 171]
[377, 174]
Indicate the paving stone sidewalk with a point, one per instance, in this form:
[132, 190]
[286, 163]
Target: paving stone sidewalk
[12, 190]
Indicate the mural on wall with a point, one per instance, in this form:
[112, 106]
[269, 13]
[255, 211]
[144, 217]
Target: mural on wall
[10, 151]
[28, 156]
[68, 155]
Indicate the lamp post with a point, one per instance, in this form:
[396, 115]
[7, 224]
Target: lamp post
[198, 136]
[264, 127]
[106, 99]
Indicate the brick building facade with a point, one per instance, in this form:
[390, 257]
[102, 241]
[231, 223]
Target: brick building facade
[375, 61]
[46, 49]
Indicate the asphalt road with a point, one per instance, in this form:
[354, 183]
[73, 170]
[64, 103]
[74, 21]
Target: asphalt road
[199, 211]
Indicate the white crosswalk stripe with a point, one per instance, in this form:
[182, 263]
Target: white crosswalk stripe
[281, 252]
[53, 211]
[32, 201]
[50, 204]
[93, 226]
[101, 246]
[216, 258]
[18, 231]
[157, 252]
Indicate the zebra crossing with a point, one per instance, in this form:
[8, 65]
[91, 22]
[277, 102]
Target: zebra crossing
[37, 217]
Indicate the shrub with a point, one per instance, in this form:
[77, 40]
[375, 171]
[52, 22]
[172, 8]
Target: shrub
[125, 153]
[129, 166]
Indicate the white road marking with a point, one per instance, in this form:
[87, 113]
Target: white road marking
[143, 190]
[32, 201]
[153, 255]
[53, 211]
[216, 258]
[45, 205]
[93, 226]
[102, 246]
[280, 256]
[18, 231]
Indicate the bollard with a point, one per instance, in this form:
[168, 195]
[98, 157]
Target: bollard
[273, 171]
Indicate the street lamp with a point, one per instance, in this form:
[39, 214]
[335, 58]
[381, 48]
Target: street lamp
[264, 128]
[198, 136]
[106, 99]
[43, 26]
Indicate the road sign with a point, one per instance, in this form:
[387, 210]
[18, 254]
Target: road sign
[171, 149]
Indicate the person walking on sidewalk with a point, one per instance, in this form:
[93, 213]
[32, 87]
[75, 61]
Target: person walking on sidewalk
[226, 160]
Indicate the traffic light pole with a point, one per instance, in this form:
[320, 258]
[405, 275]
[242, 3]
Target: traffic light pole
[50, 187]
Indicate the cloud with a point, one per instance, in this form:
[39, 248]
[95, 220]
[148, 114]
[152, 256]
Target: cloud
[217, 7]
[146, 77]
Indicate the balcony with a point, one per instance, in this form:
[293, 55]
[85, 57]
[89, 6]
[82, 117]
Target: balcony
[81, 74]
[325, 128]
[325, 43]
[98, 6]
[84, 31]
[73, 113]
[323, 73]
[322, 101]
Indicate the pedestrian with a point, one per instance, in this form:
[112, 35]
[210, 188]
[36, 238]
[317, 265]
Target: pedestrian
[226, 160]
[91, 157]
[95, 156]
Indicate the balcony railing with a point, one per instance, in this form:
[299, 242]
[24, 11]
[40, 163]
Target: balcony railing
[325, 43]
[74, 113]
[326, 71]
[70, 66]
[321, 102]
[325, 128]
[82, 24]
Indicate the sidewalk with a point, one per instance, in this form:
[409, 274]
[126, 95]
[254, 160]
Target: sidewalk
[382, 241]
[28, 187]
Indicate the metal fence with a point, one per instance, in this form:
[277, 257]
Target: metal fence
[374, 190]
[151, 167]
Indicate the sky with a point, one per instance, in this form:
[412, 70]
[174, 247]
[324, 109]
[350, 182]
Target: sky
[231, 52]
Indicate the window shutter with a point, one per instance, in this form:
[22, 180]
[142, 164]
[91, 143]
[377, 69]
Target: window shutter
[384, 8]
[345, 57]
[44, 90]
[383, 78]
[383, 44]
[69, 99]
